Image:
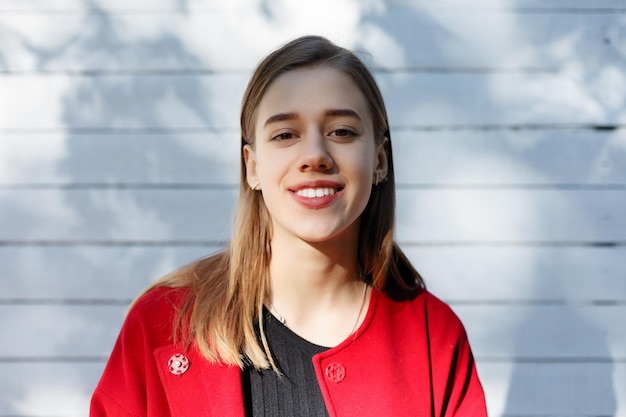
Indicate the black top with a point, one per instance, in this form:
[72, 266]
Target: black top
[296, 392]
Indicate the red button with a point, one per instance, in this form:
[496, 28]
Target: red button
[178, 364]
[336, 372]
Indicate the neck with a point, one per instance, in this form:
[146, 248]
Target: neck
[309, 270]
[317, 289]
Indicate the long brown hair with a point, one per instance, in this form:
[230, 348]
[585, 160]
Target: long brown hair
[223, 308]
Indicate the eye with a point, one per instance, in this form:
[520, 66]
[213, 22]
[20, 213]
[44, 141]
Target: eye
[342, 132]
[283, 136]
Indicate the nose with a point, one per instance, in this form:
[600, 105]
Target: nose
[315, 155]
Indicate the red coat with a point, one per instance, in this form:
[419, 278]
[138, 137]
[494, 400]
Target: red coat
[408, 358]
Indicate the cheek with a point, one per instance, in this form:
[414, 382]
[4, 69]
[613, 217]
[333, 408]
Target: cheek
[271, 169]
[263, 162]
[367, 163]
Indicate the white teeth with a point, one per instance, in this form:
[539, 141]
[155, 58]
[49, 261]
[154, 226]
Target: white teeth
[315, 192]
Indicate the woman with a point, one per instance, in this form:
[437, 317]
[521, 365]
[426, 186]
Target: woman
[313, 310]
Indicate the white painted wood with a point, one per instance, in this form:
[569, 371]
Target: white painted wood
[428, 35]
[187, 101]
[544, 389]
[576, 389]
[422, 158]
[97, 273]
[437, 216]
[151, 5]
[47, 389]
[515, 216]
[200, 158]
[571, 360]
[562, 389]
[510, 158]
[146, 215]
[523, 274]
[83, 330]
[458, 274]
[513, 227]
[192, 101]
[546, 333]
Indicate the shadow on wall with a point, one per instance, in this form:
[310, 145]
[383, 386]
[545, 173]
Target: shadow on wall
[562, 361]
[116, 222]
[578, 377]
[114, 204]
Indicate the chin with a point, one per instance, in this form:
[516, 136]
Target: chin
[316, 238]
[328, 236]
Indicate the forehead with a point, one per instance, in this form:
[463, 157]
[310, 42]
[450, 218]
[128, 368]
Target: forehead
[307, 91]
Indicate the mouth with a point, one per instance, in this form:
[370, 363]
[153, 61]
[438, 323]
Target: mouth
[316, 192]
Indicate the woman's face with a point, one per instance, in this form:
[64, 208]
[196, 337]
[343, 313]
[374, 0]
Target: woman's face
[314, 155]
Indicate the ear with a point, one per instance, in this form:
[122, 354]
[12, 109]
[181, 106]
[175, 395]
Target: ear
[249, 158]
[382, 166]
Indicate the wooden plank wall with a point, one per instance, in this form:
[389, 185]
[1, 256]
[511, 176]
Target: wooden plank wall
[118, 162]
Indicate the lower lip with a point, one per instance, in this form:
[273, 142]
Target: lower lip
[316, 202]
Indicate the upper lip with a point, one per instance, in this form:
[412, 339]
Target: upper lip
[316, 184]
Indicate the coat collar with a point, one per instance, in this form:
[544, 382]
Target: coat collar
[221, 393]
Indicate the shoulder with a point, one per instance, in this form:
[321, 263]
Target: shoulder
[438, 338]
[158, 300]
[426, 310]
[152, 315]
[438, 310]
[132, 370]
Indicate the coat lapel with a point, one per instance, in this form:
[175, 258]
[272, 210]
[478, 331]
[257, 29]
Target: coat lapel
[221, 395]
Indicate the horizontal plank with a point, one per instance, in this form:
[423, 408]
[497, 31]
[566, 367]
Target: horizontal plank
[531, 216]
[422, 158]
[199, 5]
[554, 390]
[523, 275]
[509, 333]
[458, 274]
[114, 214]
[398, 35]
[47, 390]
[546, 333]
[163, 158]
[212, 100]
[62, 330]
[534, 390]
[64, 389]
[103, 274]
[510, 157]
[512, 389]
[431, 216]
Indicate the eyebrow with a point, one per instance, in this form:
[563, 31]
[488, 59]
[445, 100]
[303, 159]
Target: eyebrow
[343, 112]
[281, 117]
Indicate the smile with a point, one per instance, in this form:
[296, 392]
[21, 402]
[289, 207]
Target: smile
[315, 192]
